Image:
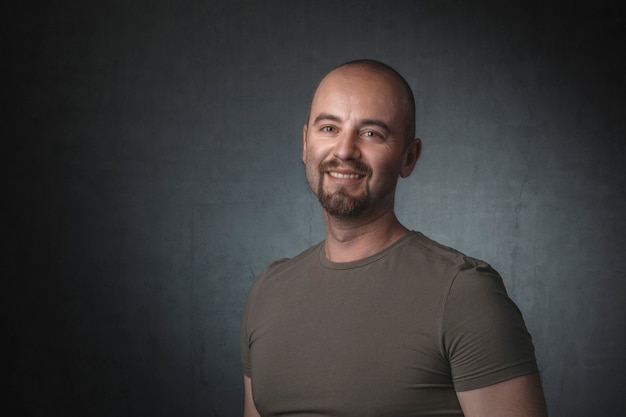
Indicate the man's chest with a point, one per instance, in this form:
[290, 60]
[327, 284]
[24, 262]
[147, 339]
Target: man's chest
[348, 349]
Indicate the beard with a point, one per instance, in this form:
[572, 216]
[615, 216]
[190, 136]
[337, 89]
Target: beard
[340, 204]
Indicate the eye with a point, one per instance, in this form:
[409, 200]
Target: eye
[372, 134]
[328, 129]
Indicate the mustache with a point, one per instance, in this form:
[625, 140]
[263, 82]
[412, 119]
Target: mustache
[357, 166]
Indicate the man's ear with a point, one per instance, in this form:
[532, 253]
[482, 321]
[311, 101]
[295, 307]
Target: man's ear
[411, 155]
[304, 130]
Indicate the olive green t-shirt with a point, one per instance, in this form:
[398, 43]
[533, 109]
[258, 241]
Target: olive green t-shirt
[394, 334]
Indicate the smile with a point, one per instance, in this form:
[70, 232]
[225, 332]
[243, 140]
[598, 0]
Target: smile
[345, 176]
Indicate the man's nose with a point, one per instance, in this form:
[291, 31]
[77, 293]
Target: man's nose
[347, 146]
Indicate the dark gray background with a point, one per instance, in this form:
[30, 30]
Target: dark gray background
[154, 170]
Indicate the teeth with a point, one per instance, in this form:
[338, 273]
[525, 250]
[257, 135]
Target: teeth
[344, 176]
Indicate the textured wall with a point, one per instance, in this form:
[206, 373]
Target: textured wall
[154, 170]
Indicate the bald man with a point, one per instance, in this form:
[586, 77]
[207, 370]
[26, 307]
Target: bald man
[378, 320]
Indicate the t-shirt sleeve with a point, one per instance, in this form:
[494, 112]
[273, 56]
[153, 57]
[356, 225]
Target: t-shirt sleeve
[483, 331]
[245, 329]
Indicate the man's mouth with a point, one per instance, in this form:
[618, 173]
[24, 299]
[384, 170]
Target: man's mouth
[347, 171]
[341, 176]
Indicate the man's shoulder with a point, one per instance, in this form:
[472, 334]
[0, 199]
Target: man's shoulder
[438, 253]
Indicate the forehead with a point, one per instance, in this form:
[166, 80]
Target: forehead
[359, 94]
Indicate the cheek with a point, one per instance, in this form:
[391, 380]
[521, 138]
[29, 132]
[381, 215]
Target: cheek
[388, 166]
[386, 170]
[314, 157]
[312, 176]
[311, 169]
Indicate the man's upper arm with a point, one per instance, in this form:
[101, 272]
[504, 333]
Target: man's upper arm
[249, 409]
[517, 397]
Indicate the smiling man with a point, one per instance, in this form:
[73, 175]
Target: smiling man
[378, 320]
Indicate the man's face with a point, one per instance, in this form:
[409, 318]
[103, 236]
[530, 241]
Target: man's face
[354, 144]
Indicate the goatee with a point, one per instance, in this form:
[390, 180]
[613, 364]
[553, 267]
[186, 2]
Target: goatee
[341, 204]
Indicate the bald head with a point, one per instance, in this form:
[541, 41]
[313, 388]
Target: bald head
[365, 68]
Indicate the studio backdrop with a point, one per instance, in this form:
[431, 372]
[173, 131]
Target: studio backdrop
[155, 170]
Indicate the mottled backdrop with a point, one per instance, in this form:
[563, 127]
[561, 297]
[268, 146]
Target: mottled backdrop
[154, 170]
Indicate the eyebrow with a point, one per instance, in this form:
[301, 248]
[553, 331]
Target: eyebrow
[365, 122]
[376, 122]
[325, 116]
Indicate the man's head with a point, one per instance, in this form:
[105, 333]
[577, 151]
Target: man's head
[359, 138]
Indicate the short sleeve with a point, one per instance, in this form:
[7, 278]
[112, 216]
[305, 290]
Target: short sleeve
[483, 331]
[246, 330]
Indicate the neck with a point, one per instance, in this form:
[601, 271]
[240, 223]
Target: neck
[354, 239]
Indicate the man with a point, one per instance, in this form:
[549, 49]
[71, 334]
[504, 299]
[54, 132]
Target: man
[378, 320]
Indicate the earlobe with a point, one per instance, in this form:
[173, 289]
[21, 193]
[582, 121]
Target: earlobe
[412, 154]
